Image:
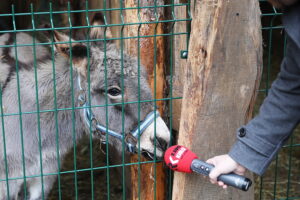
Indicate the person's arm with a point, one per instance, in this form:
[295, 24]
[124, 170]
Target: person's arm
[259, 141]
[262, 137]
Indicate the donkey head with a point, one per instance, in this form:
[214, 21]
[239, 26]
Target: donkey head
[119, 93]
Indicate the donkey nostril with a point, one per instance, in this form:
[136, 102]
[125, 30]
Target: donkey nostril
[161, 143]
[148, 155]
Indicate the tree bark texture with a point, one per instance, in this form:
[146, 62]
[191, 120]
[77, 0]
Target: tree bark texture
[221, 79]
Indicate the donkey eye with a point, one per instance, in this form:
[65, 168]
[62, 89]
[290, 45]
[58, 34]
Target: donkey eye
[114, 91]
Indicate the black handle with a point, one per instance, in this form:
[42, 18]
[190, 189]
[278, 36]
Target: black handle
[236, 181]
[231, 179]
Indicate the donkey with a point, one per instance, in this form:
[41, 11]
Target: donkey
[50, 112]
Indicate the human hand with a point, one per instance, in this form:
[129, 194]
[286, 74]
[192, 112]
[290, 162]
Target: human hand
[224, 164]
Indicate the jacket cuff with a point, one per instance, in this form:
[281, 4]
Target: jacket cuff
[259, 144]
[253, 152]
[249, 158]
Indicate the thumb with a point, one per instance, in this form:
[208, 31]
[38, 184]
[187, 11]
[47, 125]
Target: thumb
[213, 175]
[211, 161]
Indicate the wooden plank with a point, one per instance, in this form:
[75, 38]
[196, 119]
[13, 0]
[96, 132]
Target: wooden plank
[115, 18]
[151, 49]
[221, 78]
[147, 45]
[180, 44]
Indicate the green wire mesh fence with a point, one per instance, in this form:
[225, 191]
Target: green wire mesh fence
[87, 173]
[282, 180]
[84, 173]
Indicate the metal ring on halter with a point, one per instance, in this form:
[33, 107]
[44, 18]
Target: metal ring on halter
[131, 143]
[131, 139]
[81, 97]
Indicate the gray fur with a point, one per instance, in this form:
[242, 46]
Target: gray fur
[27, 139]
[4, 68]
[26, 53]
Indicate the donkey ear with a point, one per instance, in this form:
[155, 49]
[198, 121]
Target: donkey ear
[77, 50]
[62, 44]
[100, 31]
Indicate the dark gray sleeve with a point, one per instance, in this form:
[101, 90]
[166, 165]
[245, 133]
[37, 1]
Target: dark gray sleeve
[259, 140]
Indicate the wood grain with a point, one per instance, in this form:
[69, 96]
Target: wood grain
[180, 44]
[221, 80]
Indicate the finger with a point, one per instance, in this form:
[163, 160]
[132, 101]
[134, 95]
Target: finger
[214, 174]
[220, 183]
[239, 172]
[225, 187]
[212, 181]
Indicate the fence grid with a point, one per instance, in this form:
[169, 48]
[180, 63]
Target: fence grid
[92, 168]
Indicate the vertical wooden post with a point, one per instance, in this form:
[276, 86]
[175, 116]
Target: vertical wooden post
[221, 79]
[147, 45]
[180, 44]
[115, 18]
[151, 49]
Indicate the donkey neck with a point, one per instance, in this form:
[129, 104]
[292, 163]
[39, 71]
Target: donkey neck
[58, 80]
[65, 82]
